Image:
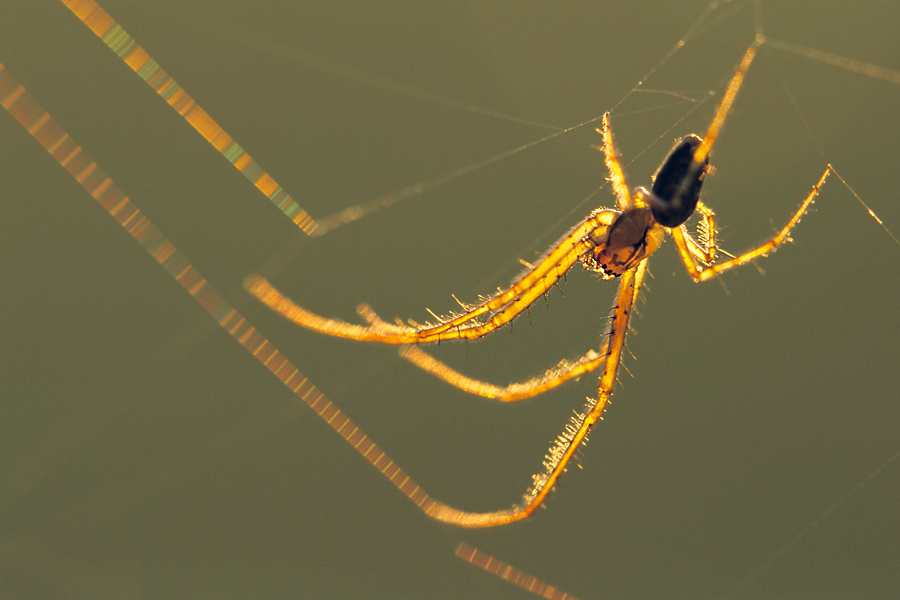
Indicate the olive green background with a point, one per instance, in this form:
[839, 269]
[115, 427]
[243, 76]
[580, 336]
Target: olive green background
[145, 454]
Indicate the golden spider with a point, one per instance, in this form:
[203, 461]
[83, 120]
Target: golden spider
[613, 242]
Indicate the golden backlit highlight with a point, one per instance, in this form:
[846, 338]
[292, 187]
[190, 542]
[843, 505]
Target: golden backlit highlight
[133, 55]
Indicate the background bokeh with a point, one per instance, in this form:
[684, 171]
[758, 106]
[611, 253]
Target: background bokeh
[146, 455]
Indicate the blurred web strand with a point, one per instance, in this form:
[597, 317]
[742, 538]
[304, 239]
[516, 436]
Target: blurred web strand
[53, 138]
[118, 40]
[267, 44]
[836, 60]
[354, 213]
[866, 206]
[485, 561]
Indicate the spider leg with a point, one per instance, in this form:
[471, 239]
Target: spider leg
[500, 308]
[727, 101]
[565, 371]
[688, 256]
[701, 154]
[705, 249]
[568, 442]
[611, 158]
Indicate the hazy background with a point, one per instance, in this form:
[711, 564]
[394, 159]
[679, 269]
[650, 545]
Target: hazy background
[145, 454]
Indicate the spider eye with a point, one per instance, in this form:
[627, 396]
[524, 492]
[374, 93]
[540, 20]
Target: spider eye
[677, 183]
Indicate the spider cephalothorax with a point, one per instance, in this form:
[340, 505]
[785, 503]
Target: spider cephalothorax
[637, 231]
[632, 236]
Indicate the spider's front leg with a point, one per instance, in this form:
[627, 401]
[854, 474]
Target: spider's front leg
[704, 248]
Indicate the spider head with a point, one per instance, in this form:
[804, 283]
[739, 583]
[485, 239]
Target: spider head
[676, 185]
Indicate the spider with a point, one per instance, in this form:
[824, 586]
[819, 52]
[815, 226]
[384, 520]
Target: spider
[616, 243]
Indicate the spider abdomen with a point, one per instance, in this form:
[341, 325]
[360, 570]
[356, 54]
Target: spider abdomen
[676, 185]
